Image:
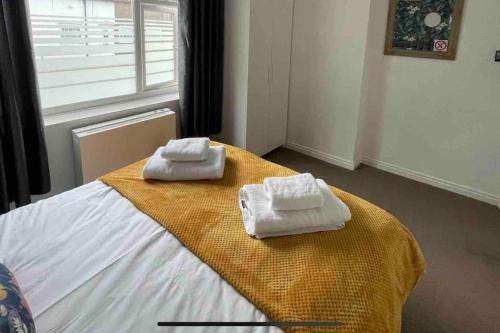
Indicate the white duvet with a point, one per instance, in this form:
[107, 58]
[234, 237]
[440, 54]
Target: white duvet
[88, 261]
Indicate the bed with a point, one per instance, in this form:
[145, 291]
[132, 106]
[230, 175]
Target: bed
[92, 260]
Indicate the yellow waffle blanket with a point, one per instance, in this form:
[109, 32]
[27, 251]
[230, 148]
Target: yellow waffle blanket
[359, 276]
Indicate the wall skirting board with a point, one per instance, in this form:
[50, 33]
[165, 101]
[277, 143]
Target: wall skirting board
[329, 158]
[433, 181]
[401, 171]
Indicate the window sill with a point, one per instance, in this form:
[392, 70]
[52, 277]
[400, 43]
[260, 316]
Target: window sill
[136, 105]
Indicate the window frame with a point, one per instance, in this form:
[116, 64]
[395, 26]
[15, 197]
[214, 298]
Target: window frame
[142, 90]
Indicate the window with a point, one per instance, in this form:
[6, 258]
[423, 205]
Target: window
[92, 52]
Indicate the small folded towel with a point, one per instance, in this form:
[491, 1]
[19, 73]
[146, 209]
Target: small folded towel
[187, 150]
[262, 222]
[162, 169]
[293, 193]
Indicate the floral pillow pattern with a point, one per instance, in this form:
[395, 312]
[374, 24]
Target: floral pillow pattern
[15, 314]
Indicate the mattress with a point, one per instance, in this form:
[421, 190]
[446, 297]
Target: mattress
[88, 261]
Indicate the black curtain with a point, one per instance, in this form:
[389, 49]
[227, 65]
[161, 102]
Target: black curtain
[201, 51]
[23, 155]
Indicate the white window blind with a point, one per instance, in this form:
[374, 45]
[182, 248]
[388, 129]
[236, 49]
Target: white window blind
[159, 45]
[88, 52]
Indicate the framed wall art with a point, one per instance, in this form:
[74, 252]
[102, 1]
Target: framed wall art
[424, 28]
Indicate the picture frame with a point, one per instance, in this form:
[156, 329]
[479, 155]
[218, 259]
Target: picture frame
[424, 28]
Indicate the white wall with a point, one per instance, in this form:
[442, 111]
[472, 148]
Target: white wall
[435, 117]
[432, 120]
[328, 50]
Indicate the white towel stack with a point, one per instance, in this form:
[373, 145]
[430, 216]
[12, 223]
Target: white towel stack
[291, 205]
[293, 193]
[186, 159]
[187, 150]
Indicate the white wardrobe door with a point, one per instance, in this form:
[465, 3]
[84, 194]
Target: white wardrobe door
[261, 17]
[280, 72]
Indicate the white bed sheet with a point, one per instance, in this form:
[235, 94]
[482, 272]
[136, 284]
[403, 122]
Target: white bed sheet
[89, 261]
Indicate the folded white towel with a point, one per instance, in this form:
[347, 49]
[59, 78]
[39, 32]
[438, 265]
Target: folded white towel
[293, 193]
[187, 150]
[261, 221]
[163, 169]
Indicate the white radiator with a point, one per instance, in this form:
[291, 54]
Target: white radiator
[104, 147]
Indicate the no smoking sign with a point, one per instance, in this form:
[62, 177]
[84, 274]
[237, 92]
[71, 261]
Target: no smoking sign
[440, 45]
